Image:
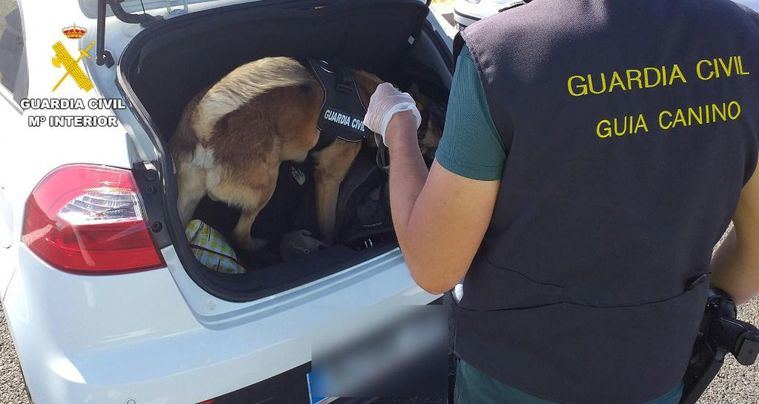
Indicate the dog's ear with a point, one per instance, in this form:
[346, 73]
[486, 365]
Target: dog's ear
[431, 136]
[367, 83]
[430, 139]
[422, 102]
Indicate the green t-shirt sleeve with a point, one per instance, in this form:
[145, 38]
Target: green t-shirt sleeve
[471, 146]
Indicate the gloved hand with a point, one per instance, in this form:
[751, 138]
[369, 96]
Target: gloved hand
[386, 102]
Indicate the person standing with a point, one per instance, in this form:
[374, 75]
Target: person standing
[594, 152]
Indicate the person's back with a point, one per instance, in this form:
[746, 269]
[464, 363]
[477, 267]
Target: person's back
[631, 128]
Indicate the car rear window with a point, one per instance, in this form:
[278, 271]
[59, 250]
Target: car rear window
[13, 69]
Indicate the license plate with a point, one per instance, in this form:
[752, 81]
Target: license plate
[313, 380]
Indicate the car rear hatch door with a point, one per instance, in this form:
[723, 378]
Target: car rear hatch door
[172, 7]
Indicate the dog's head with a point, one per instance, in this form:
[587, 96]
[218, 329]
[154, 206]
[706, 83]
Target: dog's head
[431, 129]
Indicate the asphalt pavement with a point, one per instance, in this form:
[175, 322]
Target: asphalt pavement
[11, 381]
[736, 383]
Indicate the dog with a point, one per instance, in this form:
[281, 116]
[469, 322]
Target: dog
[233, 136]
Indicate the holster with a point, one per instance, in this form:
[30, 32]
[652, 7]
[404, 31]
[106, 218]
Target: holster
[721, 333]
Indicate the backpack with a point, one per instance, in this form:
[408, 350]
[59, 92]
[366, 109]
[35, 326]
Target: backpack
[363, 206]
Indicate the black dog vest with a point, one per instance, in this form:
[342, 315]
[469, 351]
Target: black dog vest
[342, 113]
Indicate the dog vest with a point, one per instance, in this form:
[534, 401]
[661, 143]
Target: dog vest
[631, 128]
[342, 113]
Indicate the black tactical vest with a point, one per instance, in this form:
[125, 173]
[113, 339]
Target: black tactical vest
[631, 128]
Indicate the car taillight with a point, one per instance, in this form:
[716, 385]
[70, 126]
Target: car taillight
[88, 219]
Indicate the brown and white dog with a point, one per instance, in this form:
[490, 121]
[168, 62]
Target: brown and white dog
[233, 136]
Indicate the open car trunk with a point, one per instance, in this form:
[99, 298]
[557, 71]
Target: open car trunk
[171, 61]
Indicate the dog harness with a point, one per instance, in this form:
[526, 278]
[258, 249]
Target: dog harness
[342, 113]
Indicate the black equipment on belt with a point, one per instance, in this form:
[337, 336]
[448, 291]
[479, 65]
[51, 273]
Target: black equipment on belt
[343, 111]
[721, 332]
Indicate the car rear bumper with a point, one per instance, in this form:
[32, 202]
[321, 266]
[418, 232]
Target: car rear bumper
[101, 339]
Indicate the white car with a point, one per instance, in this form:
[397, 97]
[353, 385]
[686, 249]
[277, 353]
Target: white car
[754, 4]
[104, 298]
[467, 12]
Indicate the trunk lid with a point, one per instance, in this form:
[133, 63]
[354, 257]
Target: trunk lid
[151, 75]
[169, 7]
[90, 7]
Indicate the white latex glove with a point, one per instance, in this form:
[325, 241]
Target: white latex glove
[386, 102]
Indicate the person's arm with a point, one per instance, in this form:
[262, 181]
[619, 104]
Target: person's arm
[440, 218]
[735, 268]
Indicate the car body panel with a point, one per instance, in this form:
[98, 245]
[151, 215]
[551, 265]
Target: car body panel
[351, 287]
[164, 7]
[466, 13]
[441, 25]
[113, 348]
[754, 4]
